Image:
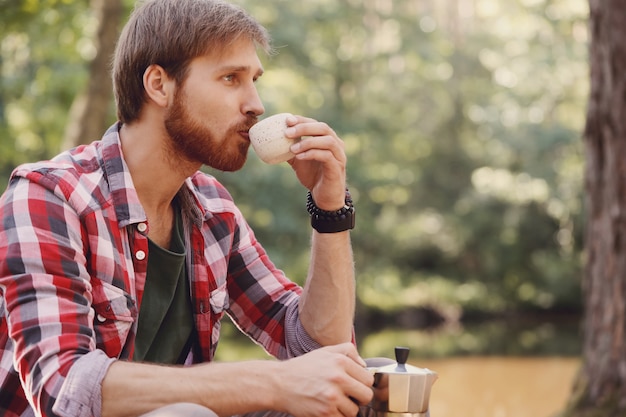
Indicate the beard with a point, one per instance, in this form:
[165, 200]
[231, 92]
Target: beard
[191, 140]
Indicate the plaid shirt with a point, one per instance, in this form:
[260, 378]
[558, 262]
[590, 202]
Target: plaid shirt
[73, 260]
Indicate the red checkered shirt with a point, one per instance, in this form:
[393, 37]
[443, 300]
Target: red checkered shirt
[73, 258]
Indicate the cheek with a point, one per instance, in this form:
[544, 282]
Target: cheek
[205, 106]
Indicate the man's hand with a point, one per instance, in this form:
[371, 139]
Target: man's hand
[320, 161]
[330, 381]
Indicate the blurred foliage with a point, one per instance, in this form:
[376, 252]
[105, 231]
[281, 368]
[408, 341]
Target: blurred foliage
[44, 50]
[511, 337]
[484, 339]
[461, 121]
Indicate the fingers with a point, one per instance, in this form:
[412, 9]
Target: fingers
[348, 407]
[332, 380]
[322, 149]
[320, 160]
[295, 119]
[299, 126]
[358, 385]
[350, 351]
[319, 141]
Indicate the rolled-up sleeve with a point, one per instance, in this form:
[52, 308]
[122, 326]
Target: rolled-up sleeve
[81, 393]
[298, 340]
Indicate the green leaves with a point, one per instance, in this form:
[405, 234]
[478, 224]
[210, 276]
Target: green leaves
[462, 126]
[462, 130]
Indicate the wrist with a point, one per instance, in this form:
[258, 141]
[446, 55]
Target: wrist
[325, 221]
[279, 372]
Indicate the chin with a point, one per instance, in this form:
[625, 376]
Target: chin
[230, 165]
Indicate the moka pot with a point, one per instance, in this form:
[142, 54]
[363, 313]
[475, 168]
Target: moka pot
[400, 390]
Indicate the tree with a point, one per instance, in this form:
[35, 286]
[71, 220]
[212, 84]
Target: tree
[600, 387]
[44, 48]
[89, 112]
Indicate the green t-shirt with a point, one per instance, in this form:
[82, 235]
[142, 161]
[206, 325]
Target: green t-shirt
[165, 320]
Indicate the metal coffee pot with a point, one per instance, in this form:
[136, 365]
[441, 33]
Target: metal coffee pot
[400, 390]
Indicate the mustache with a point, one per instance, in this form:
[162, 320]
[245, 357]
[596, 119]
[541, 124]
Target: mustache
[247, 124]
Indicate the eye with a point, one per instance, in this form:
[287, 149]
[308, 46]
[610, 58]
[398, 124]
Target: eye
[229, 78]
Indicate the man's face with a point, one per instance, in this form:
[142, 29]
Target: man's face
[211, 112]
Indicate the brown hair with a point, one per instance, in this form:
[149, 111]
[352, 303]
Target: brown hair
[171, 33]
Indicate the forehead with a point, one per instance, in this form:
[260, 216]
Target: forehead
[241, 54]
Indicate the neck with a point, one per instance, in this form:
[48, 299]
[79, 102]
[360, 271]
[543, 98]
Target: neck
[157, 178]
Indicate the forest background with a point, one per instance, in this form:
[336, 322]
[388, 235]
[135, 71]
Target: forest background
[462, 122]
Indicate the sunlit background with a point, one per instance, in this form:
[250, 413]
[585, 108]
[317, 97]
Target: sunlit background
[462, 121]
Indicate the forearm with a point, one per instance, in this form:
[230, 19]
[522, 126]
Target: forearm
[328, 302]
[131, 389]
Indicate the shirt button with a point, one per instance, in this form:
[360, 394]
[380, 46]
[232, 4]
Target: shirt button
[142, 227]
[101, 318]
[140, 255]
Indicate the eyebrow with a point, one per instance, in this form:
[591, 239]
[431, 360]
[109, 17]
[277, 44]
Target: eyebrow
[241, 68]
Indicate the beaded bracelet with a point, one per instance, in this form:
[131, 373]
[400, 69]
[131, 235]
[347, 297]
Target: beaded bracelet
[331, 221]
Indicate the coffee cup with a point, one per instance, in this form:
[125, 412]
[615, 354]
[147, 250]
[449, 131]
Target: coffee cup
[269, 141]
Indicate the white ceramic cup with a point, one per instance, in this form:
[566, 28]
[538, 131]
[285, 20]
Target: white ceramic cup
[268, 139]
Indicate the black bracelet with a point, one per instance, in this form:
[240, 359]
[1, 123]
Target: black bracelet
[331, 221]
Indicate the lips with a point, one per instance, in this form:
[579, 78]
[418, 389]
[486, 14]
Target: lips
[244, 128]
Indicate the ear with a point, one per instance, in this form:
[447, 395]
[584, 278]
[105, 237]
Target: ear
[158, 85]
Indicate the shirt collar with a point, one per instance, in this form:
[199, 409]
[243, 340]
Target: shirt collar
[125, 200]
[128, 208]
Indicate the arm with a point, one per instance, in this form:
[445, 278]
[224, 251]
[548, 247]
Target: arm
[321, 382]
[328, 301]
[80, 380]
[47, 293]
[329, 289]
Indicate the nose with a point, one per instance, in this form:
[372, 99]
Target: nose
[253, 106]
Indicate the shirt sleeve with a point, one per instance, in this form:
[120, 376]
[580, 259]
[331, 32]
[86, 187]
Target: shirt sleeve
[298, 341]
[263, 301]
[48, 298]
[81, 393]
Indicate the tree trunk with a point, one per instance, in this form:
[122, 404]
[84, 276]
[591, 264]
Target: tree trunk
[89, 114]
[600, 387]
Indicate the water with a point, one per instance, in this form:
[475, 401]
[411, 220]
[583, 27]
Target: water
[501, 386]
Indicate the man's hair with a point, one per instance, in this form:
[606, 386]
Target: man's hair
[171, 33]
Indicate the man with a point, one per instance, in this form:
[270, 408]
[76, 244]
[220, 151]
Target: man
[118, 259]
